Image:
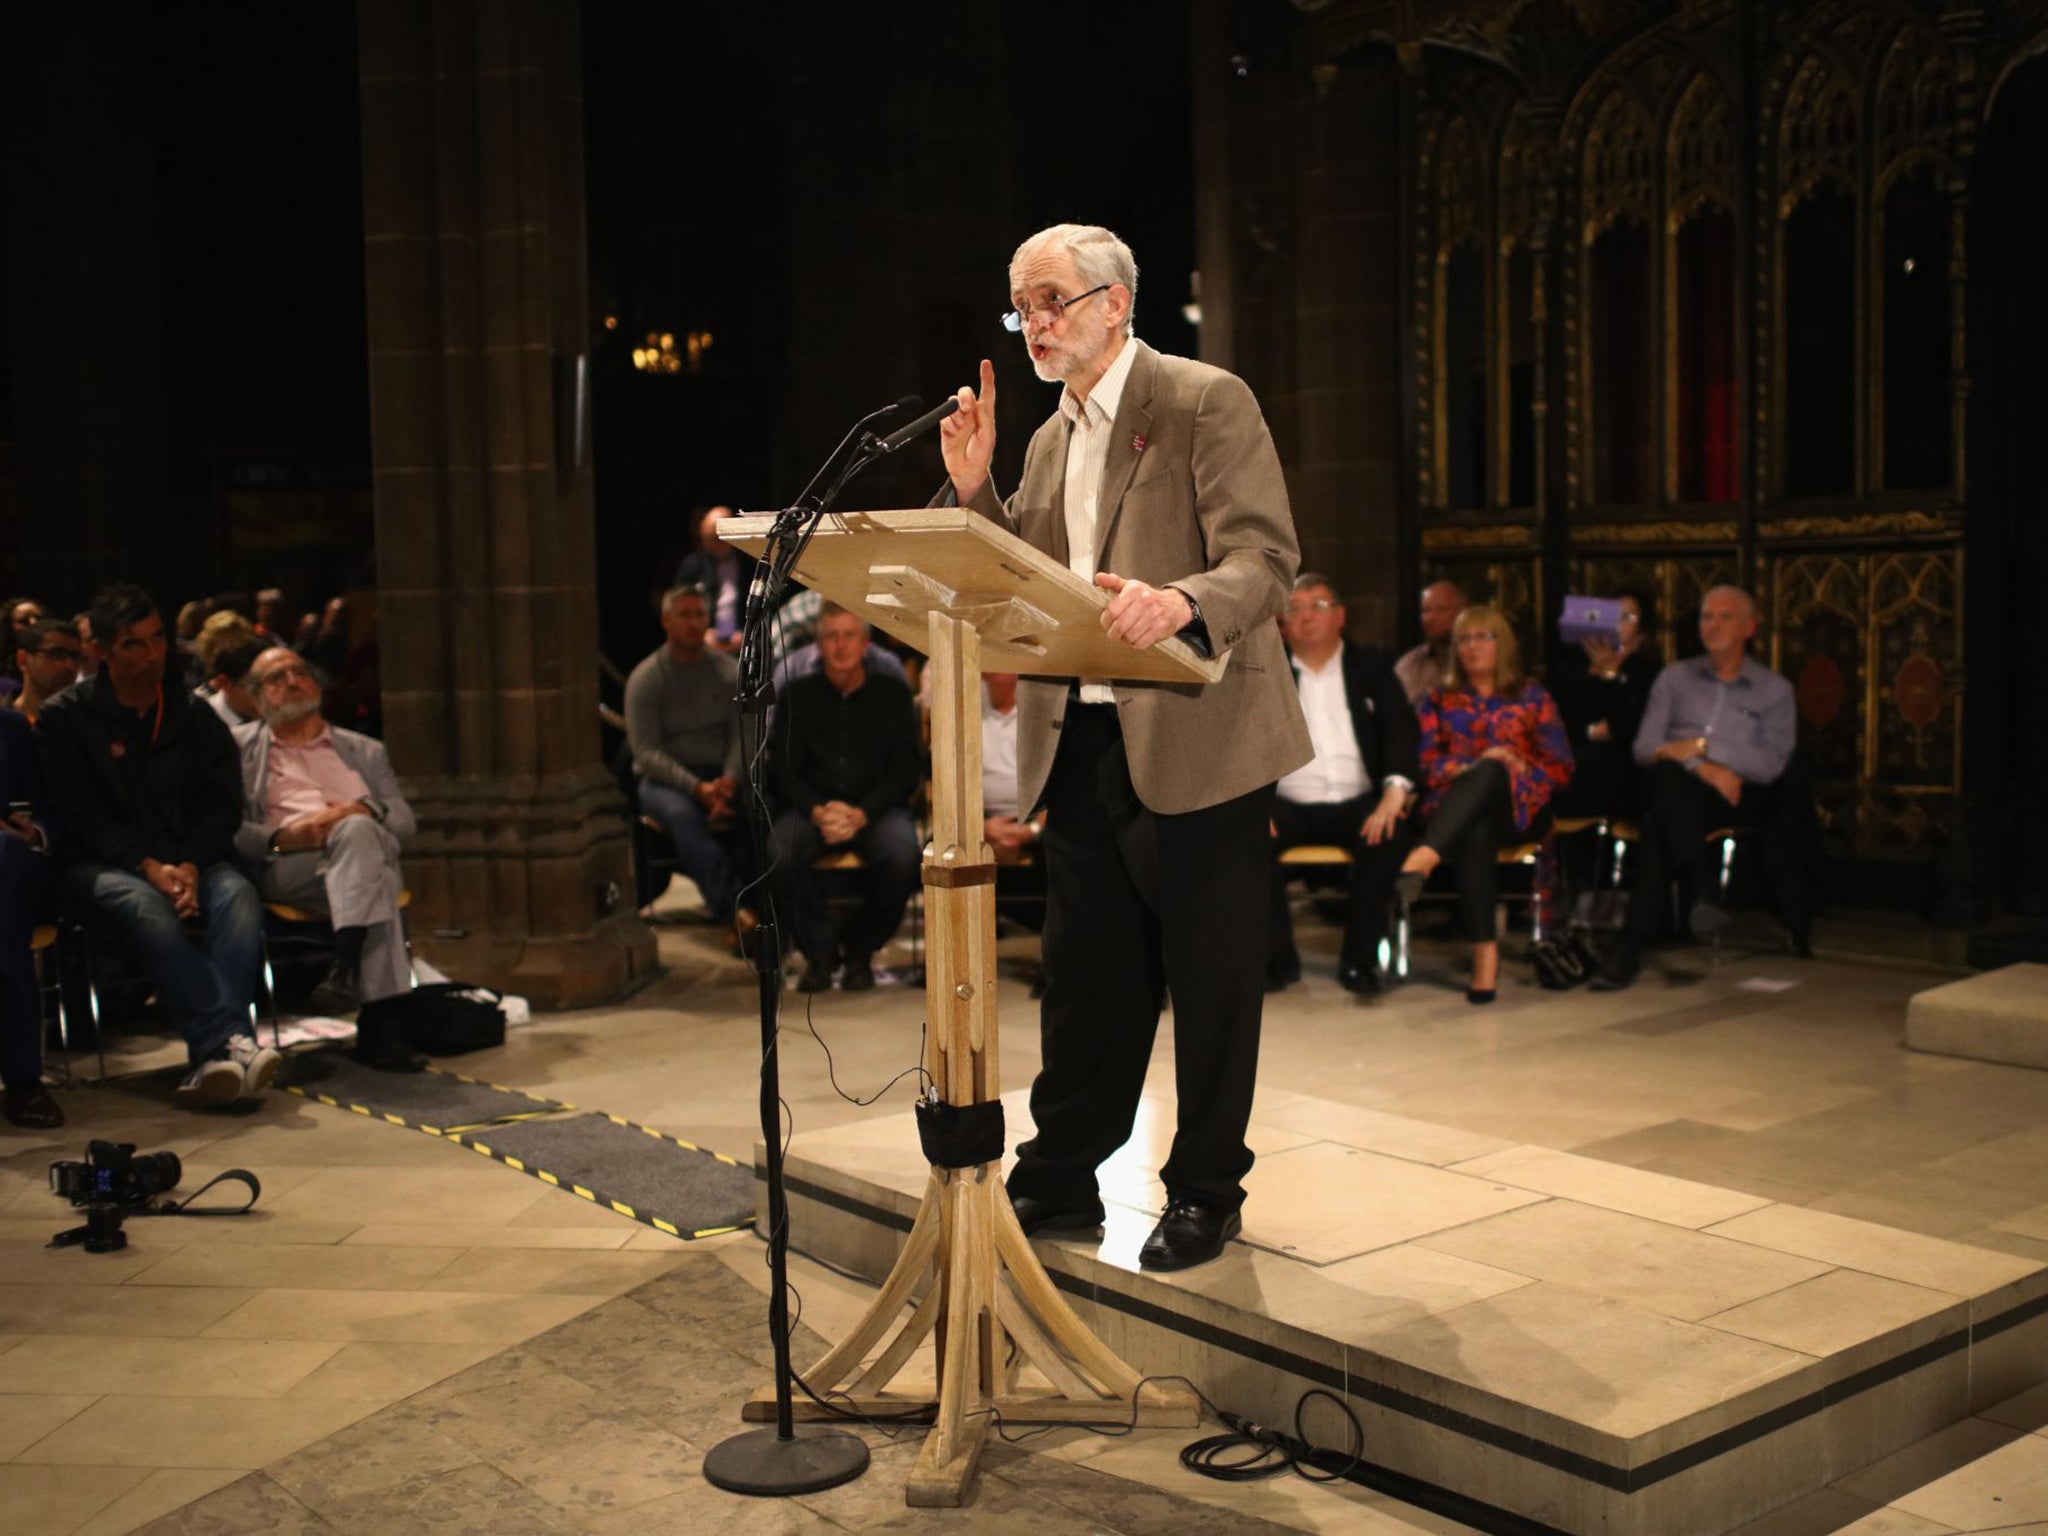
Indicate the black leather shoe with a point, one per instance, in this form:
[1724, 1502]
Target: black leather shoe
[1621, 966]
[30, 1106]
[859, 975]
[1035, 1215]
[816, 977]
[1359, 980]
[1799, 942]
[335, 995]
[1187, 1235]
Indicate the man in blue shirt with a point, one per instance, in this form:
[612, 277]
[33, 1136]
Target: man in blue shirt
[1718, 731]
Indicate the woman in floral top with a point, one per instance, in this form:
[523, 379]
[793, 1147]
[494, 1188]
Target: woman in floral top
[1494, 751]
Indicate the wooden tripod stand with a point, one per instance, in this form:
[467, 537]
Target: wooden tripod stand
[967, 1274]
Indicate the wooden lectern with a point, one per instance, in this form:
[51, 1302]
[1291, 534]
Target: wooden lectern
[971, 596]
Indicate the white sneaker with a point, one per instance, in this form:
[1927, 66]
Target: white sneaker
[256, 1063]
[214, 1081]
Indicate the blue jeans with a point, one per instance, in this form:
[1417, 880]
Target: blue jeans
[207, 991]
[701, 854]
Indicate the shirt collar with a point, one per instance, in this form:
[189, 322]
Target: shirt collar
[1742, 679]
[1108, 392]
[326, 738]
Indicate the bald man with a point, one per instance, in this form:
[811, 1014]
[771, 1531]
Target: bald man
[1422, 670]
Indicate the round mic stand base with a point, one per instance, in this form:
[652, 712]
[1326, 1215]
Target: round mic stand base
[764, 1463]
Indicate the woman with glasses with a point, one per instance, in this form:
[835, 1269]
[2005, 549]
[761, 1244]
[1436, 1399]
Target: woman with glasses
[1494, 752]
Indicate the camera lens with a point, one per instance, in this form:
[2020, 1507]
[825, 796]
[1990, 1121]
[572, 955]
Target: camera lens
[156, 1172]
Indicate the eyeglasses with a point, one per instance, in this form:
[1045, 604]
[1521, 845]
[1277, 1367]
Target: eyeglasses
[285, 675]
[1015, 320]
[1313, 605]
[1476, 637]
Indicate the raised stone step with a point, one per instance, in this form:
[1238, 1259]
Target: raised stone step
[1552, 1338]
[2000, 1016]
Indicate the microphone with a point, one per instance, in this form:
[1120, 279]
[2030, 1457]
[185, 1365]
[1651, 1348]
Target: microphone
[919, 427]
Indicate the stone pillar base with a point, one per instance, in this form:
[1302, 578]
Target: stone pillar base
[556, 971]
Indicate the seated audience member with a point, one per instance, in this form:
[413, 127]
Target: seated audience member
[146, 794]
[723, 574]
[46, 657]
[271, 618]
[227, 646]
[1009, 835]
[1601, 689]
[846, 761]
[1718, 730]
[229, 692]
[1424, 669]
[16, 615]
[1493, 753]
[683, 729]
[323, 826]
[24, 877]
[88, 651]
[327, 648]
[1356, 791]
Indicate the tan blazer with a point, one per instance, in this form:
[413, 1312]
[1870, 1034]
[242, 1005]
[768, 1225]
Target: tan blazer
[1201, 506]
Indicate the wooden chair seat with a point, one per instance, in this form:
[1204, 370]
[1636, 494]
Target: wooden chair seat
[284, 912]
[42, 937]
[1315, 855]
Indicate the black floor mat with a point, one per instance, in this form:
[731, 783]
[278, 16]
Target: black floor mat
[670, 1185]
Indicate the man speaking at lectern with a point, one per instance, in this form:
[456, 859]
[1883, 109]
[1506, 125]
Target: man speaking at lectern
[1157, 480]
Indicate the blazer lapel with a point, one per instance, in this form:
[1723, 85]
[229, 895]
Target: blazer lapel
[1133, 424]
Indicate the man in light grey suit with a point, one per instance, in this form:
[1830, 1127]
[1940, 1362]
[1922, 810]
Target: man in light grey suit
[1157, 480]
[323, 822]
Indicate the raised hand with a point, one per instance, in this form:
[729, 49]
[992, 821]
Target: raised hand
[1142, 615]
[967, 438]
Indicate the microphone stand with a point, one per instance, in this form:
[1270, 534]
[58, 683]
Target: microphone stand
[778, 1462]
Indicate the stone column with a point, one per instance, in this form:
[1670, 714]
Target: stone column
[475, 267]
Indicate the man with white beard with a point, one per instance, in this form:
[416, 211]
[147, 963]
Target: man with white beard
[323, 823]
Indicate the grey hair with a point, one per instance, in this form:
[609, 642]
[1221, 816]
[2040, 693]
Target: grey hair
[1748, 599]
[1309, 579]
[1098, 256]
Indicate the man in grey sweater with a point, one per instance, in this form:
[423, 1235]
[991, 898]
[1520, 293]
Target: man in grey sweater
[683, 727]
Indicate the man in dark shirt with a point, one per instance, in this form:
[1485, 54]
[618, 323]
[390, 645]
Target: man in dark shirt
[846, 763]
[146, 793]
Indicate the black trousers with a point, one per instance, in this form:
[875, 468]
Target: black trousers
[1679, 810]
[1373, 868]
[1141, 904]
[1468, 828]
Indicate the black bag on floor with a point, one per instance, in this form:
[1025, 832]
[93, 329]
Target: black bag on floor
[444, 1019]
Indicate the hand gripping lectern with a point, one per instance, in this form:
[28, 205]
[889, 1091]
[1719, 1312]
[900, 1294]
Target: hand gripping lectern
[971, 596]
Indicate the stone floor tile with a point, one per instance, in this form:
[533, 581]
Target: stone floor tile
[248, 1506]
[1649, 1265]
[465, 1187]
[1926, 1261]
[158, 1494]
[219, 1367]
[1289, 1206]
[26, 1416]
[428, 1317]
[479, 1234]
[386, 1372]
[1409, 1276]
[1372, 1130]
[326, 1267]
[1829, 1512]
[578, 1272]
[240, 1432]
[47, 1501]
[1834, 1312]
[97, 1311]
[392, 1446]
[1655, 1196]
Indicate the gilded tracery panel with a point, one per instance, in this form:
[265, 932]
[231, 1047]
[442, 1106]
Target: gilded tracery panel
[1700, 162]
[1617, 179]
[1816, 135]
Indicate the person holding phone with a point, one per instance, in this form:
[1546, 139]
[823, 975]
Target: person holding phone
[1602, 686]
[24, 878]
